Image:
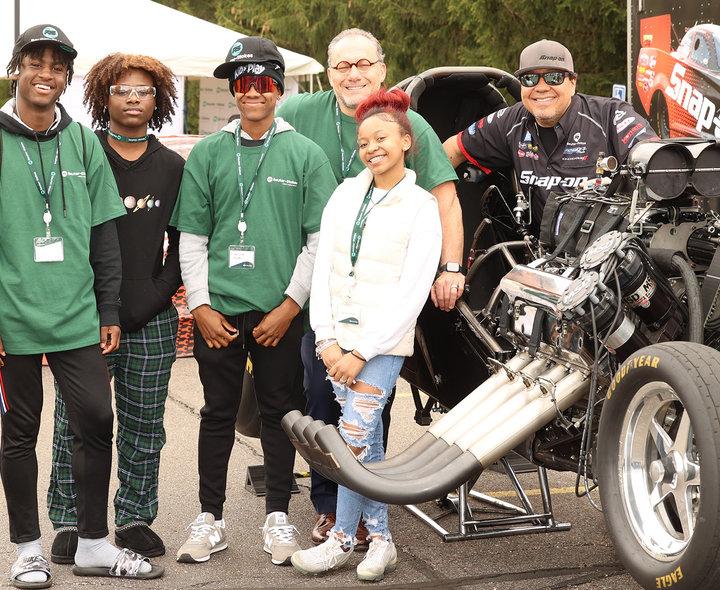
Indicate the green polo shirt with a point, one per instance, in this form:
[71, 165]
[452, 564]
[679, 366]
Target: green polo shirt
[293, 184]
[50, 306]
[313, 115]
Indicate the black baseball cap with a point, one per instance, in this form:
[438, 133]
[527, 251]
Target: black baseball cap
[45, 34]
[247, 50]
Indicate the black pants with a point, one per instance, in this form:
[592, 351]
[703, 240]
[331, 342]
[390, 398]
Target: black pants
[277, 374]
[83, 378]
[322, 405]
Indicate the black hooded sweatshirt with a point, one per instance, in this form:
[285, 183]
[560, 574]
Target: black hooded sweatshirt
[104, 247]
[149, 187]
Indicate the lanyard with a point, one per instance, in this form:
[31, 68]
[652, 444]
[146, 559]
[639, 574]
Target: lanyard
[344, 168]
[45, 189]
[361, 220]
[246, 196]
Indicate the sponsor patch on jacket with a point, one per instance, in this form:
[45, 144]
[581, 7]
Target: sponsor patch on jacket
[624, 124]
[638, 129]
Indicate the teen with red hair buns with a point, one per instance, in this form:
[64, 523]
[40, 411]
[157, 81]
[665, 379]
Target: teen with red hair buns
[379, 247]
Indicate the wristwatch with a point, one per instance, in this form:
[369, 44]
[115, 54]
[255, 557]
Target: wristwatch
[453, 267]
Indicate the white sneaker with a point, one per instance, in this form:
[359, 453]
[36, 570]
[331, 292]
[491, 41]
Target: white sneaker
[280, 538]
[381, 558]
[330, 555]
[206, 537]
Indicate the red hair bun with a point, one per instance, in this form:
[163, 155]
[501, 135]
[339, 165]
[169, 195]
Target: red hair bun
[383, 101]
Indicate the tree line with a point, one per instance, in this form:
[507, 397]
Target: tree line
[422, 34]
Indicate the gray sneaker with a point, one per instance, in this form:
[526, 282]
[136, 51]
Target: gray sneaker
[206, 537]
[280, 538]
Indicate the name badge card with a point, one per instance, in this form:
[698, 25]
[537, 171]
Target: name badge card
[48, 249]
[349, 313]
[241, 256]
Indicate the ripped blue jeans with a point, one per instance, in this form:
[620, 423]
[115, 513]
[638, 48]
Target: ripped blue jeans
[361, 426]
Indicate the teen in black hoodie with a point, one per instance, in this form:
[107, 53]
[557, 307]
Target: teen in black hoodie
[125, 93]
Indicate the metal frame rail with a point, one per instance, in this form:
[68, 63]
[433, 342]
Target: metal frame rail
[514, 520]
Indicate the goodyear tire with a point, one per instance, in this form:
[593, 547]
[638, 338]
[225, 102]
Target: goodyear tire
[661, 502]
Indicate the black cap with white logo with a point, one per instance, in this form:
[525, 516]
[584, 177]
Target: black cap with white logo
[545, 54]
[47, 35]
[250, 50]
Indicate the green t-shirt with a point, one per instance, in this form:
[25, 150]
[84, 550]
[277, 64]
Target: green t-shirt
[293, 184]
[50, 306]
[313, 115]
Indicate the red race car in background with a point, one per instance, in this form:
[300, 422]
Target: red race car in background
[680, 90]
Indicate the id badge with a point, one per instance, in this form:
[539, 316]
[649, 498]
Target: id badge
[349, 313]
[48, 249]
[241, 256]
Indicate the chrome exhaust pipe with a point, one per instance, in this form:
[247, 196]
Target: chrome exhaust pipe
[502, 414]
[464, 417]
[555, 396]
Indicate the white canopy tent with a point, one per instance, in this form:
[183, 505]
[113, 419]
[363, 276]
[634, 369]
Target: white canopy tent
[189, 46]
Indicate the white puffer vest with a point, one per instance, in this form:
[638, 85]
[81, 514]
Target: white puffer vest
[380, 261]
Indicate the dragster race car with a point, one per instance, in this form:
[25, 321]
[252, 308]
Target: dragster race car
[680, 90]
[593, 349]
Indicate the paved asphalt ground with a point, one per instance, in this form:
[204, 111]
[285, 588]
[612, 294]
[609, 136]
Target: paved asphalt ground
[581, 558]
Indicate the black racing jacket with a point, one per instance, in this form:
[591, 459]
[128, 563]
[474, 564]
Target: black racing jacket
[591, 124]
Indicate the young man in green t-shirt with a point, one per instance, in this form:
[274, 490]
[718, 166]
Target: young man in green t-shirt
[60, 268]
[249, 211]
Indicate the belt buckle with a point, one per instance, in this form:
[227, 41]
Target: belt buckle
[587, 226]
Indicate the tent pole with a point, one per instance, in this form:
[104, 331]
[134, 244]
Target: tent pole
[17, 18]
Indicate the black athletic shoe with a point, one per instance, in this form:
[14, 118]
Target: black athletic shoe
[64, 545]
[140, 538]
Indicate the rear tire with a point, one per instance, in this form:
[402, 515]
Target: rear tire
[659, 117]
[661, 415]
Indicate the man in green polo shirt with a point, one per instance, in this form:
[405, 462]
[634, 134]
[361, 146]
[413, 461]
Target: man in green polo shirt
[60, 269]
[249, 211]
[356, 68]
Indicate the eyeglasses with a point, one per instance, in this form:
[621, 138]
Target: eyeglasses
[551, 79]
[362, 65]
[262, 84]
[124, 91]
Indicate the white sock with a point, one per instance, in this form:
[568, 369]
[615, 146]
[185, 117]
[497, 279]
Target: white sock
[30, 549]
[100, 553]
[220, 523]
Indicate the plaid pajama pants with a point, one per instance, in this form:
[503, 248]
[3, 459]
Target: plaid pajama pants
[141, 368]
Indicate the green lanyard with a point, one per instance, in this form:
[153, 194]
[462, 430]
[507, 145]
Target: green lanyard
[361, 220]
[344, 168]
[246, 196]
[44, 188]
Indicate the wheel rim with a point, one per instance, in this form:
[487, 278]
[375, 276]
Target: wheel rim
[659, 471]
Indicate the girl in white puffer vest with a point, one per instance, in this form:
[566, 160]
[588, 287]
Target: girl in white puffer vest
[378, 253]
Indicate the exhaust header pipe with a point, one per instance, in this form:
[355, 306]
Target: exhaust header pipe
[507, 408]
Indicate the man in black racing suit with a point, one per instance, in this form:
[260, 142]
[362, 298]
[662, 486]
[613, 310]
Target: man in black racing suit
[553, 137]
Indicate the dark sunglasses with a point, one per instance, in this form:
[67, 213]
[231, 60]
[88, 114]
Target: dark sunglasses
[551, 79]
[262, 84]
